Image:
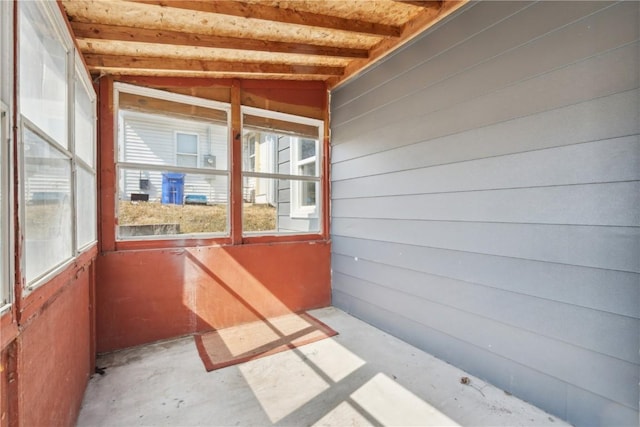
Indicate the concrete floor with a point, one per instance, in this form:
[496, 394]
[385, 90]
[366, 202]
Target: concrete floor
[363, 376]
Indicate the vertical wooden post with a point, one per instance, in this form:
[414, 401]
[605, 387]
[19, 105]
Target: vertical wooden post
[236, 165]
[106, 167]
[326, 170]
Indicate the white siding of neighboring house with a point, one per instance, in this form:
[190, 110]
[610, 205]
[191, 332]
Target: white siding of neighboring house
[151, 139]
[260, 191]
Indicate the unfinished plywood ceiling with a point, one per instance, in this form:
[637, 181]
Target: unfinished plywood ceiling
[328, 40]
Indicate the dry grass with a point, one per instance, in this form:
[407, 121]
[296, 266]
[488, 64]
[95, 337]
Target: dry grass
[195, 218]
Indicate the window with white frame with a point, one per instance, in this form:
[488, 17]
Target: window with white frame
[281, 173]
[172, 165]
[304, 161]
[85, 159]
[187, 149]
[57, 130]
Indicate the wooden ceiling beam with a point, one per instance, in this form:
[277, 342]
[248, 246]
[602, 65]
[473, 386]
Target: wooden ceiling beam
[282, 15]
[95, 62]
[124, 33]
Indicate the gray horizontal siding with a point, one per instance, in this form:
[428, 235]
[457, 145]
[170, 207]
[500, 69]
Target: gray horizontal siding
[618, 160]
[606, 376]
[607, 74]
[486, 200]
[556, 396]
[599, 289]
[498, 63]
[614, 248]
[584, 204]
[580, 326]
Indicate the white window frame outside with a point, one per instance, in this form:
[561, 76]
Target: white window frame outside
[298, 210]
[178, 153]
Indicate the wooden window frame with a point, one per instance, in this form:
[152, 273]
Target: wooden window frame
[108, 175]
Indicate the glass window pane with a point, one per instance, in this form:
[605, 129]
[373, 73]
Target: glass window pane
[308, 193]
[272, 153]
[43, 82]
[307, 149]
[308, 169]
[84, 124]
[187, 143]
[160, 203]
[152, 133]
[86, 206]
[48, 219]
[267, 207]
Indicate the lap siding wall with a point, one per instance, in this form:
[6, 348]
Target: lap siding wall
[486, 200]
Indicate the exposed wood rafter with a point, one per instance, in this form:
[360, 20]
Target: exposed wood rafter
[303, 40]
[162, 63]
[280, 15]
[124, 33]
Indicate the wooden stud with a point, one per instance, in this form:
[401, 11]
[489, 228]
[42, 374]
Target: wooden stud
[281, 15]
[169, 37]
[95, 62]
[107, 170]
[236, 165]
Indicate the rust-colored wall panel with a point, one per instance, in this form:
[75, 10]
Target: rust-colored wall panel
[54, 359]
[147, 295]
[8, 383]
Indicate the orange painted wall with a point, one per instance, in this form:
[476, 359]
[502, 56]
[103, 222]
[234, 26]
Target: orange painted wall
[48, 349]
[148, 295]
[54, 359]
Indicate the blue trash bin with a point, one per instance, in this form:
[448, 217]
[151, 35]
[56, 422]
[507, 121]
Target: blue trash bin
[172, 188]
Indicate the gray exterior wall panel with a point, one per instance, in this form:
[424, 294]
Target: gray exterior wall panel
[601, 374]
[599, 289]
[486, 200]
[512, 59]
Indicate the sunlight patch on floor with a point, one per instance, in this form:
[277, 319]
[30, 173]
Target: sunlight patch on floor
[334, 360]
[393, 405]
[283, 387]
[344, 411]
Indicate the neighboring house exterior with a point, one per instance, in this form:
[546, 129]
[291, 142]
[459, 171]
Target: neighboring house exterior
[486, 200]
[161, 140]
[258, 155]
[295, 202]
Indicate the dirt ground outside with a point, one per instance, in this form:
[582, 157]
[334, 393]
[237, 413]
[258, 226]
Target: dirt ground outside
[195, 218]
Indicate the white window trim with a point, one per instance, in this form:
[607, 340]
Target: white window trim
[178, 153]
[297, 209]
